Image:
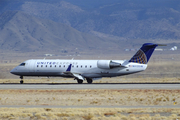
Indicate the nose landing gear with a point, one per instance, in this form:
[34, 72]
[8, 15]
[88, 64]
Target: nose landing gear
[21, 81]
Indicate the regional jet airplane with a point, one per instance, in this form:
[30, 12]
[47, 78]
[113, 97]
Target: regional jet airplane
[88, 70]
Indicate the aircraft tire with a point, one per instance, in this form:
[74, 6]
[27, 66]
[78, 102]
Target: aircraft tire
[21, 82]
[80, 81]
[89, 80]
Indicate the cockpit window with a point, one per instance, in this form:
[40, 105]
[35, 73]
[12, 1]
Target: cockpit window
[22, 64]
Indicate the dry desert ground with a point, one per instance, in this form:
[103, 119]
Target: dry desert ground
[89, 104]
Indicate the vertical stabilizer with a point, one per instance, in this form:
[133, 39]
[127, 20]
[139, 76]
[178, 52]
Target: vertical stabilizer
[144, 53]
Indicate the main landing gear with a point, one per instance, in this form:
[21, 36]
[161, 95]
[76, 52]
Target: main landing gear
[79, 81]
[21, 81]
[89, 80]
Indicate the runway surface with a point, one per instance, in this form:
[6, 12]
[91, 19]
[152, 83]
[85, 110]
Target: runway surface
[90, 86]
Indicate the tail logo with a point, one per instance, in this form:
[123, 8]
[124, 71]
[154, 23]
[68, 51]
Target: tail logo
[139, 57]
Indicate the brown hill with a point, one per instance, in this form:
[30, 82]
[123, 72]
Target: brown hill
[132, 19]
[22, 32]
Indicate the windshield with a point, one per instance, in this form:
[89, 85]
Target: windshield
[22, 64]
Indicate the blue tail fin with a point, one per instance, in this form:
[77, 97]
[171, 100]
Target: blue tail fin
[144, 53]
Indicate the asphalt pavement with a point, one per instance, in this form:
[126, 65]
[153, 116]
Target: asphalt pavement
[73, 86]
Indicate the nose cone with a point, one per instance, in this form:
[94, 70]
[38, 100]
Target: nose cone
[13, 71]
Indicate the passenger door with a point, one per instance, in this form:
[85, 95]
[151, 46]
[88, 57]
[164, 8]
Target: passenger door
[31, 65]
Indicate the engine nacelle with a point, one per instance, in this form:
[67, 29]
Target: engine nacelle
[107, 64]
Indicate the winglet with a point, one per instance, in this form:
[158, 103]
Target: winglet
[69, 68]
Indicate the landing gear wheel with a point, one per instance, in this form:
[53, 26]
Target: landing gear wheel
[89, 80]
[21, 82]
[80, 81]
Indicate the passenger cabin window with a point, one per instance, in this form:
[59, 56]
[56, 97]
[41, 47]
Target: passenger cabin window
[22, 64]
[46, 65]
[50, 65]
[37, 65]
[41, 65]
[55, 66]
[90, 66]
[81, 66]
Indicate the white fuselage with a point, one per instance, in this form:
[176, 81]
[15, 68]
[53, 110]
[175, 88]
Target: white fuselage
[85, 68]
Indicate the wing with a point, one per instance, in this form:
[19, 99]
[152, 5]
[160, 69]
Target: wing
[76, 75]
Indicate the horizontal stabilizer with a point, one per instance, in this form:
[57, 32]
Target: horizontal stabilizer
[151, 45]
[161, 44]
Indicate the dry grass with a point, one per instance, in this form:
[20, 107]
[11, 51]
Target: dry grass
[90, 97]
[90, 113]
